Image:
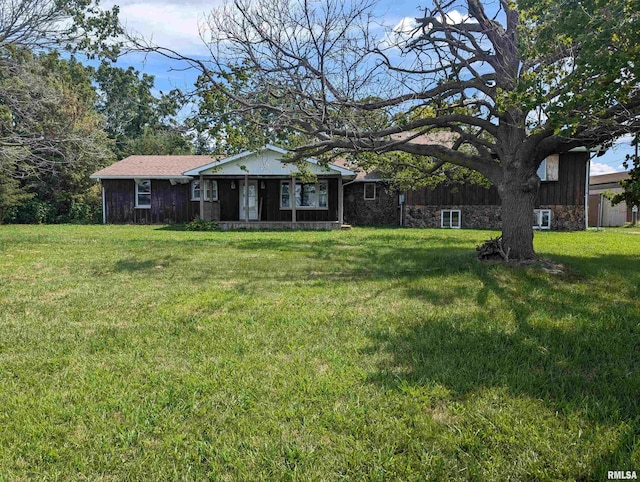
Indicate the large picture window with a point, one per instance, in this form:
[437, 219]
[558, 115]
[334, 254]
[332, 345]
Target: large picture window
[143, 193]
[541, 219]
[210, 190]
[307, 195]
[450, 218]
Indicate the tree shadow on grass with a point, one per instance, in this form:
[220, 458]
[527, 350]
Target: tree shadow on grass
[572, 342]
[132, 265]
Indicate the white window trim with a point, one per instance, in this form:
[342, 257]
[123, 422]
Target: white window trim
[304, 208]
[142, 206]
[193, 190]
[450, 214]
[212, 191]
[543, 167]
[538, 214]
[375, 191]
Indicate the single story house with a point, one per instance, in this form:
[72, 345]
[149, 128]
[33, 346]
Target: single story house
[253, 189]
[256, 190]
[601, 211]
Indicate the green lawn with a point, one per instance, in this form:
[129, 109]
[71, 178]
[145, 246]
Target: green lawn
[147, 353]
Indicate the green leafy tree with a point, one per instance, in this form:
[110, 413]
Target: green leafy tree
[631, 185]
[228, 133]
[53, 138]
[47, 121]
[138, 121]
[160, 142]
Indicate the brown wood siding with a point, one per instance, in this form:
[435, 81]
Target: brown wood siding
[229, 200]
[270, 199]
[459, 194]
[568, 190]
[169, 204]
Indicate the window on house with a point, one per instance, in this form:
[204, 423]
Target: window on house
[307, 195]
[143, 193]
[541, 219]
[370, 191]
[323, 196]
[450, 218]
[542, 170]
[210, 190]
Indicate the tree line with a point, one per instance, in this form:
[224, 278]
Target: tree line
[62, 119]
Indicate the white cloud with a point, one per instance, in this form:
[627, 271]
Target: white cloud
[598, 168]
[408, 24]
[454, 18]
[168, 23]
[405, 26]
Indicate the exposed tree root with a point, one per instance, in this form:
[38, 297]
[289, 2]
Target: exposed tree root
[492, 250]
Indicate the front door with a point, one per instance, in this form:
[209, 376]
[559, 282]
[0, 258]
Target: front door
[252, 200]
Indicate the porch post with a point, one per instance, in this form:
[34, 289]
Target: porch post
[340, 201]
[246, 198]
[201, 196]
[292, 198]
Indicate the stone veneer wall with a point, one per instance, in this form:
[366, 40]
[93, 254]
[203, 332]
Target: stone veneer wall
[563, 218]
[566, 218]
[383, 210]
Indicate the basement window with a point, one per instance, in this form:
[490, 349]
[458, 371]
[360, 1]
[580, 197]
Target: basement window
[143, 193]
[542, 219]
[450, 218]
[370, 191]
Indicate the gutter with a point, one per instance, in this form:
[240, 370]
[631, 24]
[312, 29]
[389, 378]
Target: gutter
[142, 176]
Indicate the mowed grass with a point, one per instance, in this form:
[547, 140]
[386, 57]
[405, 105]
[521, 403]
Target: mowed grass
[131, 353]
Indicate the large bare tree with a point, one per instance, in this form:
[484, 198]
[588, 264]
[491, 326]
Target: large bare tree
[510, 91]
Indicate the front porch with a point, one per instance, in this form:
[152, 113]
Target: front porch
[263, 202]
[259, 190]
[309, 225]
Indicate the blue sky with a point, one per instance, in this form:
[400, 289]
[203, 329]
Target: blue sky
[174, 23]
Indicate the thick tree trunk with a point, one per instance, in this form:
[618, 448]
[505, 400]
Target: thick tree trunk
[518, 193]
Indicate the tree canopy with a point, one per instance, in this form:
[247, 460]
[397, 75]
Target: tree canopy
[61, 120]
[139, 121]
